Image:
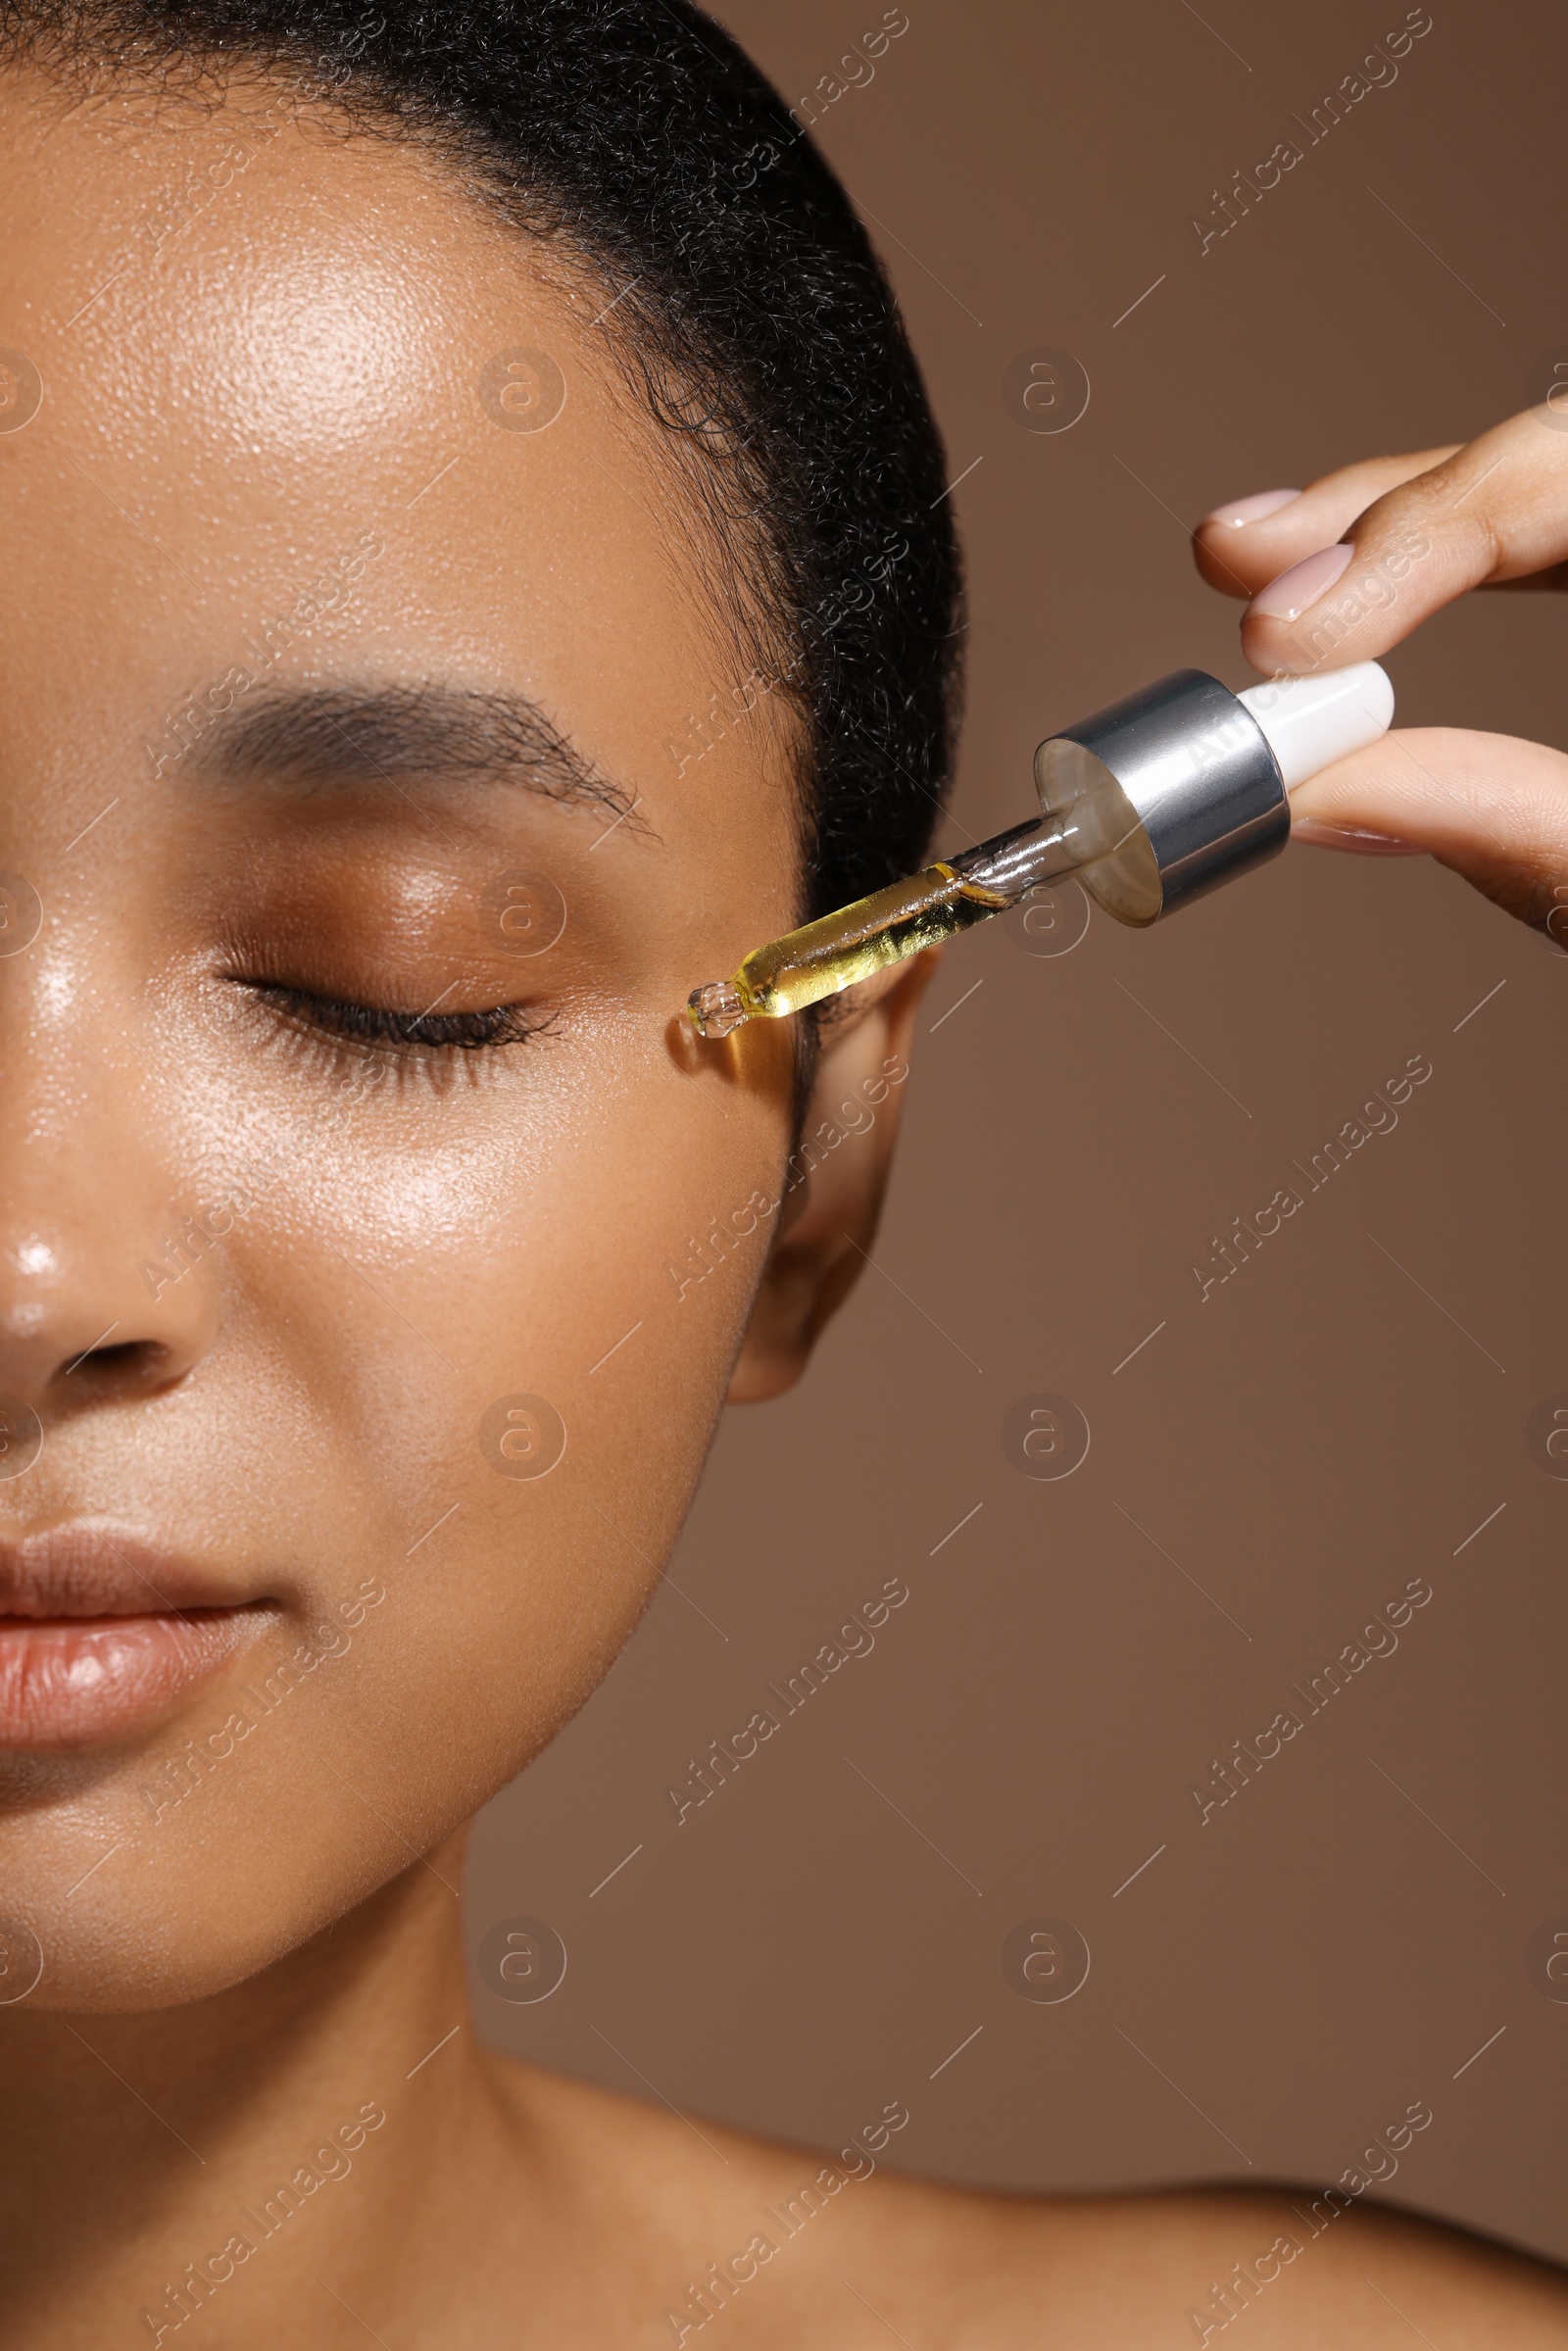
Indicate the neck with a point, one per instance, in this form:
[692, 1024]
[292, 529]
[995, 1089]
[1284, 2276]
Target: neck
[252, 2157]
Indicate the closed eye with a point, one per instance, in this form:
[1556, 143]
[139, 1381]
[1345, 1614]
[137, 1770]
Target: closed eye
[433, 1031]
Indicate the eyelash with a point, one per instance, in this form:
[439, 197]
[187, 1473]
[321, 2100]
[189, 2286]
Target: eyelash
[433, 1033]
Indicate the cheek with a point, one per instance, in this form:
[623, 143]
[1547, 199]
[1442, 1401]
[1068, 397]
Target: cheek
[558, 1241]
[467, 1321]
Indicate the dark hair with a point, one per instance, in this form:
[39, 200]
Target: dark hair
[751, 315]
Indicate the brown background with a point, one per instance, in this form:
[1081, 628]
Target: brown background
[1284, 1981]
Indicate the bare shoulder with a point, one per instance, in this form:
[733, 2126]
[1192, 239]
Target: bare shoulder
[777, 2240]
[1187, 2267]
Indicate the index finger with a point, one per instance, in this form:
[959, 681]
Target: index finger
[1491, 512]
[1242, 546]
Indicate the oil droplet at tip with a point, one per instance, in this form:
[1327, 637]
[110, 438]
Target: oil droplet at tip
[715, 1008]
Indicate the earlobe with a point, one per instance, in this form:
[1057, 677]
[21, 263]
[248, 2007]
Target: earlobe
[835, 1182]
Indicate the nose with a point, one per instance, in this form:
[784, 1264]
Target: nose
[107, 1291]
[91, 1315]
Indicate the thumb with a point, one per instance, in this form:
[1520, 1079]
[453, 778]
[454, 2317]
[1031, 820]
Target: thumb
[1493, 808]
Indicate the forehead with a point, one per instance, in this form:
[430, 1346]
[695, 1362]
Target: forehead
[265, 345]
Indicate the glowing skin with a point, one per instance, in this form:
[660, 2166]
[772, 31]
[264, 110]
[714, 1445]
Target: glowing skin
[296, 1410]
[260, 1290]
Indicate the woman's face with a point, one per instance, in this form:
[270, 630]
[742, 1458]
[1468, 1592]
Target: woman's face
[340, 671]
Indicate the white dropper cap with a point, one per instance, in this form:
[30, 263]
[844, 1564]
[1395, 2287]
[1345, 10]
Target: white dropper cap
[1310, 722]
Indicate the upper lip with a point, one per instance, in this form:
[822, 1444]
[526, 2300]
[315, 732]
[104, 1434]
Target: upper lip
[83, 1569]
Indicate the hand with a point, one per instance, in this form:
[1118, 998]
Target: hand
[1341, 571]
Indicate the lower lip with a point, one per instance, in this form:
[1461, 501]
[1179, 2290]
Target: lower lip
[75, 1682]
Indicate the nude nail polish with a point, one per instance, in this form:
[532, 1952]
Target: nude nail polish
[1297, 589]
[1252, 509]
[1354, 836]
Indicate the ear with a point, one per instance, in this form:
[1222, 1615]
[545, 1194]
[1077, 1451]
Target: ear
[835, 1181]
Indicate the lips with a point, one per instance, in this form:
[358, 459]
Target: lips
[101, 1635]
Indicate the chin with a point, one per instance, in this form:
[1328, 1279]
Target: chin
[193, 1921]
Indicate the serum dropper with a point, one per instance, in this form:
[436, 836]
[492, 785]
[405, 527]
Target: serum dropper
[1146, 804]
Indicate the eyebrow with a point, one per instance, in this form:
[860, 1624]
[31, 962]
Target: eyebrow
[335, 735]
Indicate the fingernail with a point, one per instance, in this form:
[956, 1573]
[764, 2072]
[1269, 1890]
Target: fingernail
[1297, 590]
[1250, 510]
[1352, 837]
